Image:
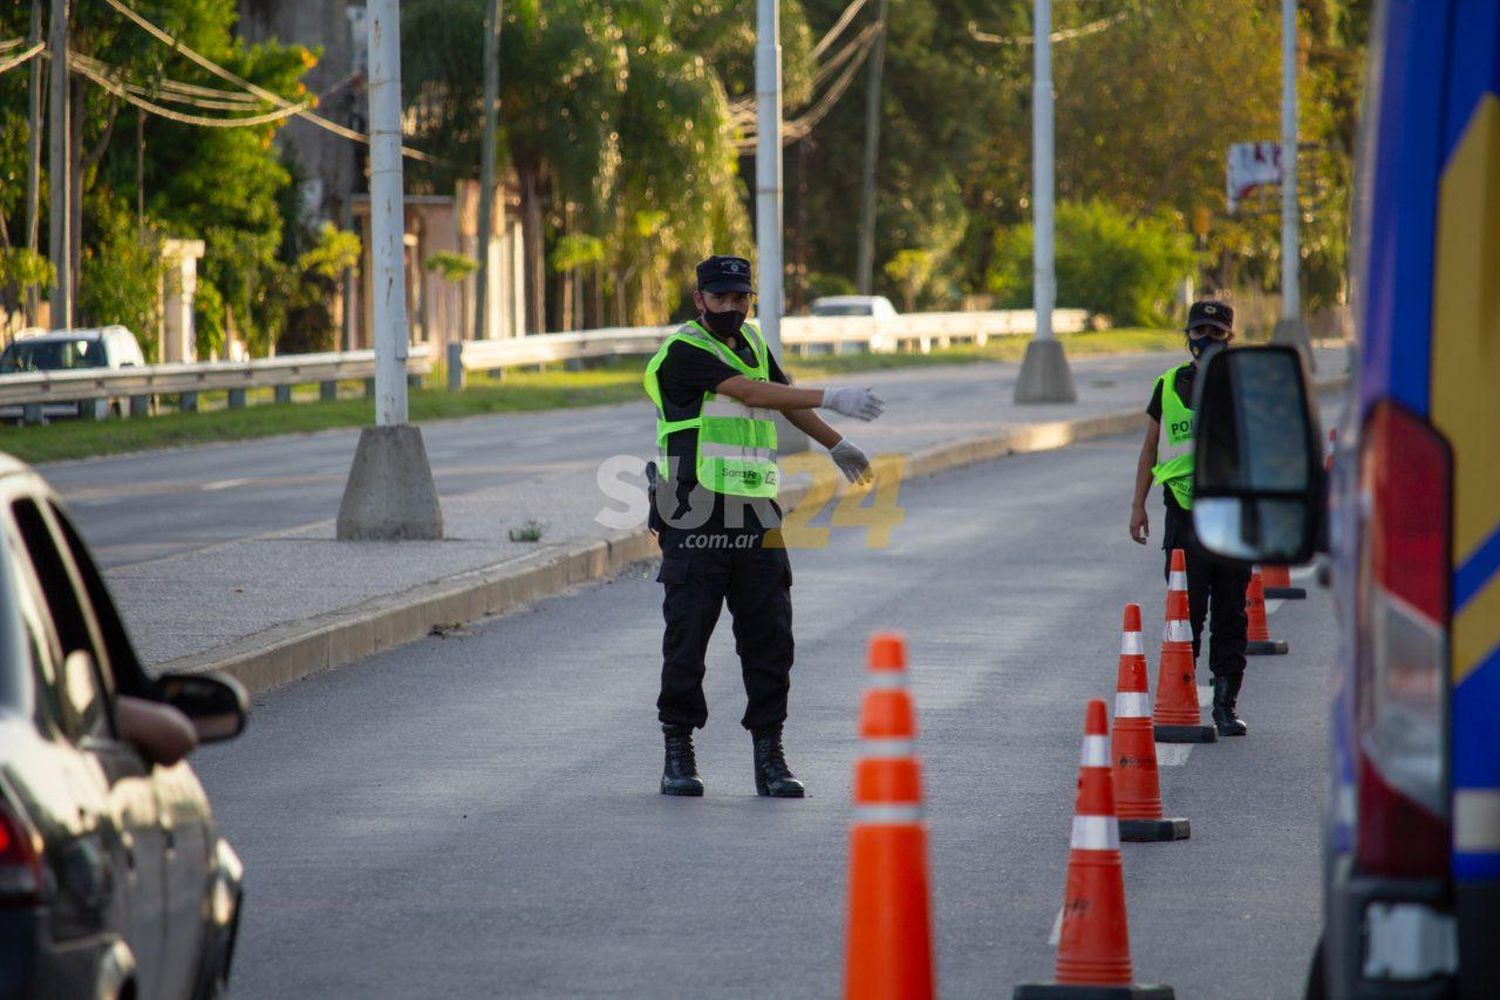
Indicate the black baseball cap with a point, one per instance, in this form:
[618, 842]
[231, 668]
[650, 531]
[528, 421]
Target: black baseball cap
[1208, 312]
[724, 274]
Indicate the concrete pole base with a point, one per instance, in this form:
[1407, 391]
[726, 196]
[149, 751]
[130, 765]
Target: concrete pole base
[390, 495]
[1293, 332]
[789, 439]
[1045, 376]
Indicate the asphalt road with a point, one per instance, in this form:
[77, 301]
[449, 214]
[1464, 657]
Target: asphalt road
[136, 508]
[477, 815]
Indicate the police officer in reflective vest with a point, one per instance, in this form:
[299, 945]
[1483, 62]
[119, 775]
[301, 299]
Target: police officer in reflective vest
[715, 384]
[1167, 458]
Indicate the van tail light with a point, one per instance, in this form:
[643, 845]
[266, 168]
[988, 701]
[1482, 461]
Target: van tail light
[1403, 827]
[22, 871]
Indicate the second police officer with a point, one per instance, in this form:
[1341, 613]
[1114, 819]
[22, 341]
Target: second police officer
[1168, 460]
[715, 384]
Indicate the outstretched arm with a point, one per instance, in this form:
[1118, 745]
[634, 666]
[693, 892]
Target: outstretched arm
[861, 404]
[769, 395]
[813, 426]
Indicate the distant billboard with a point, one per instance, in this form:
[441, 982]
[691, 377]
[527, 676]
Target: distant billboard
[1251, 165]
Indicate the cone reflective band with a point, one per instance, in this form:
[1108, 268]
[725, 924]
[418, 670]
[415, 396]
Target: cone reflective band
[889, 952]
[1177, 715]
[1278, 582]
[1093, 951]
[1258, 641]
[1133, 747]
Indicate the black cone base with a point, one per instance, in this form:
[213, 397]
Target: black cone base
[1186, 734]
[1286, 593]
[1147, 831]
[1273, 647]
[1057, 991]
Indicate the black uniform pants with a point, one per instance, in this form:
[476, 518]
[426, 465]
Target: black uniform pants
[756, 584]
[1210, 582]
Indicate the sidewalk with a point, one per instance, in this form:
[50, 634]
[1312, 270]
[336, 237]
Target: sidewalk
[278, 606]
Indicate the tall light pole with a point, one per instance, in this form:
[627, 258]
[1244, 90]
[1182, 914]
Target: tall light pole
[1045, 376]
[768, 192]
[487, 167]
[34, 155]
[390, 494]
[1290, 329]
[866, 270]
[59, 231]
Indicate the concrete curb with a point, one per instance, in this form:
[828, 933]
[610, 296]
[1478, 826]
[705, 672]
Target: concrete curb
[290, 652]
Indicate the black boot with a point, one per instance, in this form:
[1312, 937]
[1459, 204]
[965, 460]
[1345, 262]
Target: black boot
[1226, 690]
[680, 775]
[772, 776]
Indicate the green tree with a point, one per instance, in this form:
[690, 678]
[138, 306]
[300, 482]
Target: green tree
[199, 182]
[1107, 261]
[911, 270]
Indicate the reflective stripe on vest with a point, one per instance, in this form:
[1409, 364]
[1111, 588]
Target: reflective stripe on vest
[1174, 448]
[736, 443]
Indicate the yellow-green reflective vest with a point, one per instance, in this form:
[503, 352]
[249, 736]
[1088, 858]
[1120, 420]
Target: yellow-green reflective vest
[1174, 448]
[736, 443]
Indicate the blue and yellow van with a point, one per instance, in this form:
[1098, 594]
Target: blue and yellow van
[1412, 844]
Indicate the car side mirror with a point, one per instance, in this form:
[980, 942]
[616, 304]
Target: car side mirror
[217, 705]
[1258, 474]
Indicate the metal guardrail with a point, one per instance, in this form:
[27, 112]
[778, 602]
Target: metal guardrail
[798, 333]
[34, 392]
[89, 392]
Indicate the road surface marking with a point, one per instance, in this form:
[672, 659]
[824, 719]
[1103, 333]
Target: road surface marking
[1172, 754]
[1273, 604]
[224, 484]
[1205, 696]
[1056, 935]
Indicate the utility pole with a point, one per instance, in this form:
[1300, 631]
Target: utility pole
[1290, 330]
[487, 167]
[34, 156]
[1045, 376]
[866, 275]
[390, 494]
[768, 193]
[59, 231]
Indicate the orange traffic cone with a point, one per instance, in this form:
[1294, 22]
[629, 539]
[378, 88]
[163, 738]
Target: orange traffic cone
[889, 954]
[1278, 581]
[1178, 717]
[1133, 748]
[1093, 951]
[1258, 634]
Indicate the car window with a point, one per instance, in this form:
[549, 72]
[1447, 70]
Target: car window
[52, 355]
[83, 693]
[124, 666]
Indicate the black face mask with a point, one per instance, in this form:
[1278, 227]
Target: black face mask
[1204, 348]
[724, 324]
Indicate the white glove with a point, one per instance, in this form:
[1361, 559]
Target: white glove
[852, 401]
[851, 461]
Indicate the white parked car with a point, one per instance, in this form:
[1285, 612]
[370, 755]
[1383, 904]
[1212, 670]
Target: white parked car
[854, 305]
[72, 350]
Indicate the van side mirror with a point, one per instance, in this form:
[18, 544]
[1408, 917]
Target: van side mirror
[217, 705]
[1258, 474]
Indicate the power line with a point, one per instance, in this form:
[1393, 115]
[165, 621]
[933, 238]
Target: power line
[261, 92]
[1064, 35]
[742, 113]
[843, 22]
[14, 61]
[800, 127]
[91, 71]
